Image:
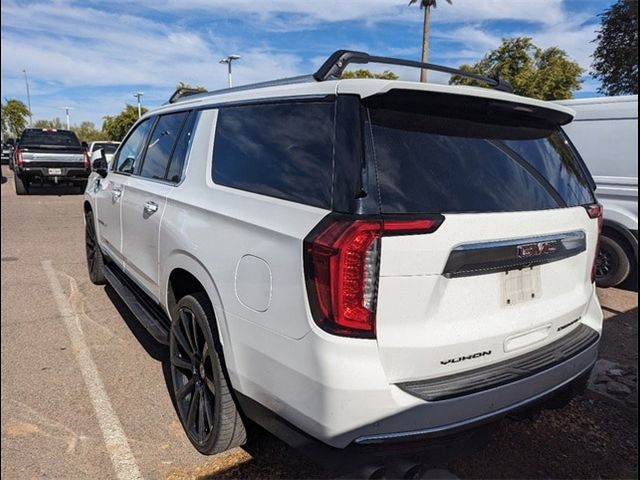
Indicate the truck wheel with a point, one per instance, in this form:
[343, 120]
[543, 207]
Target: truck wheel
[612, 263]
[21, 184]
[203, 400]
[95, 259]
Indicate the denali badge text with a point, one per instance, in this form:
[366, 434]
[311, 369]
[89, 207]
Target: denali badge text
[466, 357]
[534, 249]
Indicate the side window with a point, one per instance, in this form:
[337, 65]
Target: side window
[181, 150]
[131, 149]
[280, 150]
[161, 143]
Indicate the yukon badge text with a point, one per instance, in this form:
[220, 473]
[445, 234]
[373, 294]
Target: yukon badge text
[466, 357]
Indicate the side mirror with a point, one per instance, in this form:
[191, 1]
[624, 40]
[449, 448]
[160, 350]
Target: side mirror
[100, 164]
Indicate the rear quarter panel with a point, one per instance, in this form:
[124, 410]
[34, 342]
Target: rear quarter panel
[208, 230]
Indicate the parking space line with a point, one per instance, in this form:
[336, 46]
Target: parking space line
[115, 439]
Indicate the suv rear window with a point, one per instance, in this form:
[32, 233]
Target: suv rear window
[280, 150]
[57, 138]
[465, 162]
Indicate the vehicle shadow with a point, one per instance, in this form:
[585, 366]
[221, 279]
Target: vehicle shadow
[58, 190]
[3, 180]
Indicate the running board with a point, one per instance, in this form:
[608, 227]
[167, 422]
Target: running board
[148, 313]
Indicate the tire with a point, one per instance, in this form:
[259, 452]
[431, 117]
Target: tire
[95, 258]
[200, 389]
[613, 264]
[22, 185]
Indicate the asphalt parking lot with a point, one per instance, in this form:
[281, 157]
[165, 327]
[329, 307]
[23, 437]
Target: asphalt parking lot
[84, 392]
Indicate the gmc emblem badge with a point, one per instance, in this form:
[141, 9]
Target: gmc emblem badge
[535, 249]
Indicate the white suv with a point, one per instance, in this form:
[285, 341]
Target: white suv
[366, 261]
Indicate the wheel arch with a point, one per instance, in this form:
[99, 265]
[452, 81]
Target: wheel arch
[181, 266]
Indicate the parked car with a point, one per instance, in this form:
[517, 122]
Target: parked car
[605, 132]
[7, 151]
[109, 148]
[49, 156]
[363, 262]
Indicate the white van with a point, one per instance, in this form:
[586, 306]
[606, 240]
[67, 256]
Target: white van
[605, 132]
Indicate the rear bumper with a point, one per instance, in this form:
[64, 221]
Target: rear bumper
[489, 405]
[336, 390]
[41, 174]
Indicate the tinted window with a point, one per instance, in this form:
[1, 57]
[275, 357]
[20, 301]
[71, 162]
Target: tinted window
[181, 150]
[555, 160]
[283, 150]
[438, 164]
[58, 138]
[131, 150]
[161, 142]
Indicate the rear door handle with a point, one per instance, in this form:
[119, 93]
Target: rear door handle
[150, 207]
[116, 193]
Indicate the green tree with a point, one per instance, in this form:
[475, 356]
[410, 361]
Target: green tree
[364, 73]
[55, 123]
[14, 116]
[188, 86]
[87, 132]
[547, 74]
[116, 127]
[615, 59]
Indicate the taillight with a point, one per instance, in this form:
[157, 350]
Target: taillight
[87, 164]
[596, 211]
[19, 160]
[342, 265]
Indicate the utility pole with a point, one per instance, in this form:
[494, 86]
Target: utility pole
[66, 111]
[138, 95]
[26, 81]
[228, 61]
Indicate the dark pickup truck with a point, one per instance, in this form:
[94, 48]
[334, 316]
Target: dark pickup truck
[49, 156]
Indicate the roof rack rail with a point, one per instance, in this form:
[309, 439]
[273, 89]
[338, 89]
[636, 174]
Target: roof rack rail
[332, 69]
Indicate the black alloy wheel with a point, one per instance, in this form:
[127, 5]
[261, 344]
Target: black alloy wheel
[203, 401]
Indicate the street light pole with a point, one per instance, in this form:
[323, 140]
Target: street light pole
[228, 61]
[26, 81]
[66, 111]
[138, 95]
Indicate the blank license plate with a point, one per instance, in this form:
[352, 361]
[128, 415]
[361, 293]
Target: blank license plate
[55, 171]
[519, 286]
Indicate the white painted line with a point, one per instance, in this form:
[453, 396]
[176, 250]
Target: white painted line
[114, 437]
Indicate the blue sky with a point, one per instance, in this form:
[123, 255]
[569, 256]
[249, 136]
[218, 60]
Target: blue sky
[94, 55]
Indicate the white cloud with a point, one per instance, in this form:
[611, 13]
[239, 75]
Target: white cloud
[309, 12]
[70, 47]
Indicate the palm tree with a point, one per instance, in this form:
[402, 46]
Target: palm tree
[426, 6]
